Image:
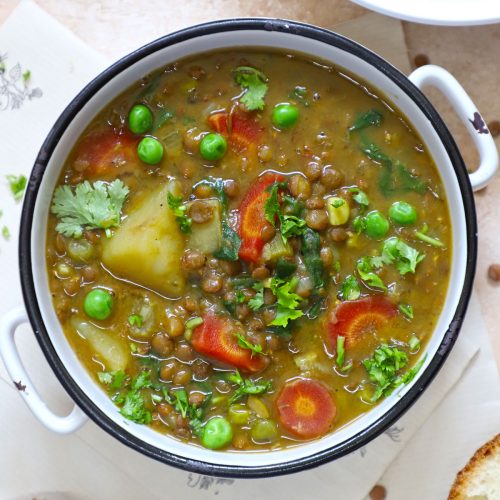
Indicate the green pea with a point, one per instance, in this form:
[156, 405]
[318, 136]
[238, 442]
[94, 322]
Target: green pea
[98, 304]
[140, 119]
[403, 213]
[376, 224]
[285, 115]
[217, 433]
[264, 431]
[213, 147]
[150, 150]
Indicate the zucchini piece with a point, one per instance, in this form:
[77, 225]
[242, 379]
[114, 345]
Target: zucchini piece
[276, 248]
[207, 237]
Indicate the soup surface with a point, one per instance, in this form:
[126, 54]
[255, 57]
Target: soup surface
[249, 249]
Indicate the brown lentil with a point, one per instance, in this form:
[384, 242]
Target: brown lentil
[331, 178]
[183, 376]
[494, 272]
[200, 212]
[193, 259]
[313, 171]
[174, 326]
[326, 254]
[378, 492]
[261, 273]
[162, 344]
[267, 233]
[315, 202]
[211, 283]
[317, 219]
[168, 369]
[232, 188]
[299, 186]
[184, 352]
[337, 234]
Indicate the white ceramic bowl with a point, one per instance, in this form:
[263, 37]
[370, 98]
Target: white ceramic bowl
[319, 44]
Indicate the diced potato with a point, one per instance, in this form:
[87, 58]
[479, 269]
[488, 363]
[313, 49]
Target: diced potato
[207, 237]
[147, 248]
[338, 210]
[112, 351]
[145, 309]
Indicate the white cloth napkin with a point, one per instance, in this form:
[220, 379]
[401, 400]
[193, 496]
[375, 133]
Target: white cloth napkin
[90, 464]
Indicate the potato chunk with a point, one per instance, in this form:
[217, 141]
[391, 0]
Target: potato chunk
[113, 352]
[147, 248]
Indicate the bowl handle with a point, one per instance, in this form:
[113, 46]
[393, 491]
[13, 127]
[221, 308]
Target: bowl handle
[446, 83]
[22, 382]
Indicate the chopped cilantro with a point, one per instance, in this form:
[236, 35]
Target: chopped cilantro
[287, 301]
[96, 206]
[435, 242]
[395, 251]
[5, 233]
[17, 185]
[359, 196]
[349, 289]
[135, 320]
[414, 343]
[253, 82]
[383, 369]
[179, 209]
[365, 270]
[247, 386]
[26, 76]
[340, 351]
[257, 301]
[134, 405]
[246, 344]
[407, 310]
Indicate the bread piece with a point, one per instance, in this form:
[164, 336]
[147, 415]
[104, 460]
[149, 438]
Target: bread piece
[480, 478]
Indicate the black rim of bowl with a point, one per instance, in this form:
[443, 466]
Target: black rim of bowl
[43, 337]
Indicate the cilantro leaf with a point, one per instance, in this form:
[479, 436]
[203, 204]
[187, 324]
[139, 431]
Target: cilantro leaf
[407, 310]
[253, 82]
[17, 185]
[292, 226]
[349, 289]
[96, 206]
[272, 210]
[246, 344]
[135, 320]
[383, 369]
[287, 300]
[359, 196]
[406, 258]
[5, 233]
[364, 267]
[247, 386]
[179, 209]
[134, 405]
[257, 301]
[340, 351]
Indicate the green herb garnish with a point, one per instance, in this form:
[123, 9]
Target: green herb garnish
[231, 243]
[366, 272]
[310, 249]
[246, 344]
[287, 301]
[96, 206]
[407, 310]
[404, 257]
[257, 301]
[179, 209]
[247, 386]
[414, 343]
[340, 351]
[17, 184]
[5, 233]
[350, 289]
[135, 320]
[253, 82]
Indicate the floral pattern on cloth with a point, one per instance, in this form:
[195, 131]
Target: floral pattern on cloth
[15, 86]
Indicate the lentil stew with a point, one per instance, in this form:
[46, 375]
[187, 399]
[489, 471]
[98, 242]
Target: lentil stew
[249, 249]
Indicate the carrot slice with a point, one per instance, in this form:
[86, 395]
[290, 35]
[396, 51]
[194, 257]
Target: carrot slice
[105, 154]
[306, 408]
[354, 319]
[242, 130]
[216, 338]
[252, 217]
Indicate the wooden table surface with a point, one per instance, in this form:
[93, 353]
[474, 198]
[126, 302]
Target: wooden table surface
[115, 27]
